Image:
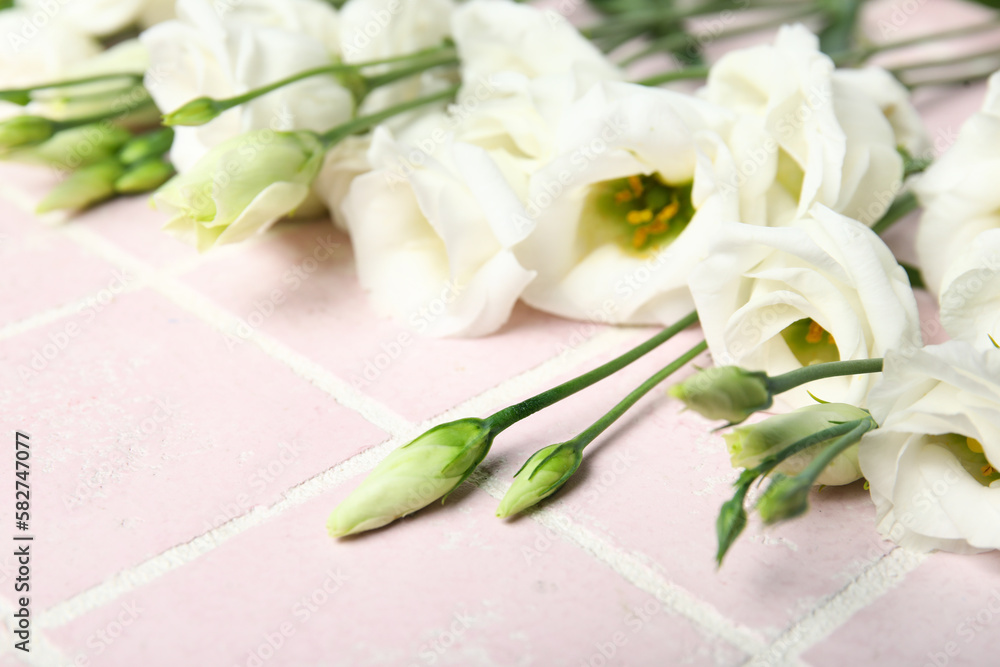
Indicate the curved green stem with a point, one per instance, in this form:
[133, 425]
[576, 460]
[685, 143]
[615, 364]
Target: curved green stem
[134, 76]
[782, 383]
[675, 75]
[379, 80]
[863, 54]
[616, 412]
[508, 416]
[771, 462]
[902, 206]
[363, 123]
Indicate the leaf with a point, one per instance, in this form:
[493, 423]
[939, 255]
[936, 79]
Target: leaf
[839, 34]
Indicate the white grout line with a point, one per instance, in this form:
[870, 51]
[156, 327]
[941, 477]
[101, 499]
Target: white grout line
[871, 584]
[633, 568]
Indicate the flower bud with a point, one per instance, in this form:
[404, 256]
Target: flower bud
[241, 187]
[540, 476]
[18, 97]
[413, 476]
[84, 187]
[151, 144]
[724, 392]
[25, 130]
[785, 498]
[196, 112]
[74, 147]
[749, 445]
[144, 176]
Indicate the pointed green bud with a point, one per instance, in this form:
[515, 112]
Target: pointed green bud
[413, 476]
[84, 187]
[18, 97]
[196, 112]
[74, 147]
[144, 176]
[731, 522]
[25, 131]
[749, 445]
[724, 392]
[540, 476]
[151, 144]
[785, 498]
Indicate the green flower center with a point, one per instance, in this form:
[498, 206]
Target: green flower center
[810, 343]
[638, 213]
[969, 453]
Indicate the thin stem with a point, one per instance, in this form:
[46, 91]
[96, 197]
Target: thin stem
[675, 75]
[513, 414]
[338, 68]
[945, 62]
[815, 468]
[335, 135]
[117, 113]
[863, 54]
[76, 82]
[953, 80]
[379, 80]
[645, 17]
[771, 462]
[616, 412]
[782, 383]
[902, 206]
[670, 42]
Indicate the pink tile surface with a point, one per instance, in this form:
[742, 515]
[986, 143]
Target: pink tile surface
[947, 613]
[451, 588]
[151, 431]
[301, 288]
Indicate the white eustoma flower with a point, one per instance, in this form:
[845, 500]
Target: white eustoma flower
[495, 36]
[823, 289]
[960, 197]
[627, 206]
[105, 17]
[241, 187]
[432, 237]
[31, 55]
[221, 50]
[932, 465]
[970, 293]
[808, 134]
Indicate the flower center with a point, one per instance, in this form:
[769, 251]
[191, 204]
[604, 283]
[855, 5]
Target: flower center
[810, 343]
[969, 453]
[638, 213]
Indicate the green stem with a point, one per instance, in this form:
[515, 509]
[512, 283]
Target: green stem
[902, 206]
[338, 68]
[771, 462]
[945, 62]
[60, 125]
[75, 82]
[616, 412]
[675, 75]
[645, 18]
[515, 413]
[782, 383]
[815, 468]
[670, 42]
[379, 80]
[363, 123]
[863, 54]
[963, 79]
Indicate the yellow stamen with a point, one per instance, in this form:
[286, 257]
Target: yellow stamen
[974, 445]
[623, 197]
[815, 334]
[635, 183]
[639, 217]
[987, 470]
[639, 239]
[668, 212]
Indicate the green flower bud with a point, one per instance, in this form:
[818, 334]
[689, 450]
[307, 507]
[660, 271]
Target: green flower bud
[196, 112]
[724, 392]
[413, 476]
[75, 147]
[24, 131]
[749, 445]
[731, 522]
[540, 476]
[151, 144]
[18, 97]
[241, 187]
[144, 176]
[84, 187]
[785, 498]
